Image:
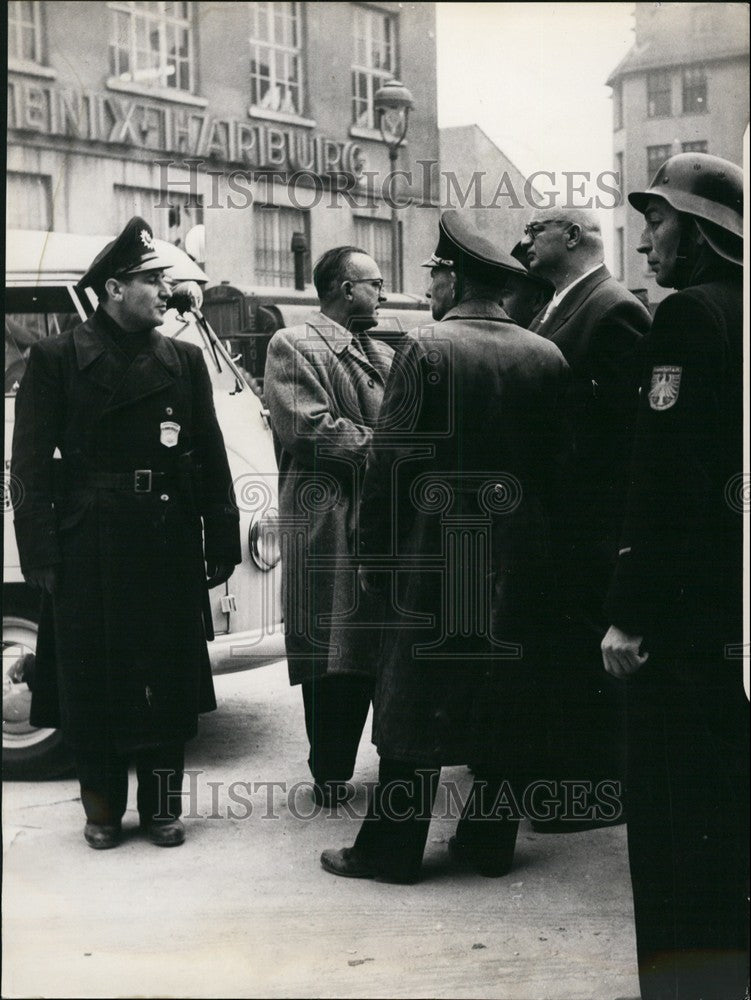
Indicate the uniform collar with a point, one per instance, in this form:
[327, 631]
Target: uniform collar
[478, 309]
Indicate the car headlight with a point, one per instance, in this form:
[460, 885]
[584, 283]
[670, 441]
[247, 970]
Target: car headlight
[263, 538]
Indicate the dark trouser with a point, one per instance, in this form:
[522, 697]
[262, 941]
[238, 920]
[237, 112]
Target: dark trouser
[394, 832]
[584, 739]
[686, 796]
[336, 708]
[103, 777]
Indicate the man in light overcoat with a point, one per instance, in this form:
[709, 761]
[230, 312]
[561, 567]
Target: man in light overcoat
[324, 384]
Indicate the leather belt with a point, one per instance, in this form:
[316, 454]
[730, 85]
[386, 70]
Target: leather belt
[138, 481]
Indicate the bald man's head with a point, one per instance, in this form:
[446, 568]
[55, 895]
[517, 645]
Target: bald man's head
[563, 243]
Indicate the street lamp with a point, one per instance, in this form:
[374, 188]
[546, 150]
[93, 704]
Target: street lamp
[392, 103]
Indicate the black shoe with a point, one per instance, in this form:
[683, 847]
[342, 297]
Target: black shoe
[330, 794]
[102, 836]
[349, 863]
[170, 834]
[464, 856]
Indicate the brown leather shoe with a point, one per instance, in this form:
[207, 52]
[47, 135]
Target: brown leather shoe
[102, 836]
[165, 834]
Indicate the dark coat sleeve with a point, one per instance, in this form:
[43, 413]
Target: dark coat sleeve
[38, 422]
[671, 506]
[217, 504]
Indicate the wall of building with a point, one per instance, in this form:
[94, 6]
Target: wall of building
[475, 173]
[671, 37]
[88, 133]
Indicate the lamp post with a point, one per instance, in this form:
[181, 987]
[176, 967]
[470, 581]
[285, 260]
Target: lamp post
[392, 103]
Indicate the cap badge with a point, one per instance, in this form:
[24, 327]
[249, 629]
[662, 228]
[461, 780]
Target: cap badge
[147, 239]
[664, 387]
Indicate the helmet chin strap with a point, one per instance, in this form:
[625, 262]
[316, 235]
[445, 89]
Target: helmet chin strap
[689, 251]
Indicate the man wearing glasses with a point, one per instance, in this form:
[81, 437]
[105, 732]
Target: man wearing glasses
[597, 325]
[324, 383]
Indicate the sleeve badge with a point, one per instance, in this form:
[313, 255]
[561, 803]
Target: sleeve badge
[663, 390]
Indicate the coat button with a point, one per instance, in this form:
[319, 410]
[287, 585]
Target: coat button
[168, 410]
[371, 383]
[164, 496]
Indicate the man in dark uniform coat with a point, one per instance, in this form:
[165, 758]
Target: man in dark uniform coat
[598, 326]
[455, 510]
[113, 535]
[676, 598]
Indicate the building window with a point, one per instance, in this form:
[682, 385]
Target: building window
[694, 91]
[25, 31]
[28, 201]
[620, 253]
[152, 44]
[169, 214]
[374, 236]
[698, 146]
[656, 156]
[275, 57]
[659, 103]
[621, 178]
[273, 228]
[374, 61]
[617, 107]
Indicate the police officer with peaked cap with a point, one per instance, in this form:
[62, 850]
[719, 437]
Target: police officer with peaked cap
[454, 534]
[112, 534]
[675, 602]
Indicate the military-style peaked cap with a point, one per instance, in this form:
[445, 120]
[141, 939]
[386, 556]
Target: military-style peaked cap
[461, 245]
[131, 253]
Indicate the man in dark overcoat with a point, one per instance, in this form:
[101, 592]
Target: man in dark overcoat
[598, 326]
[324, 383]
[112, 532]
[454, 527]
[676, 600]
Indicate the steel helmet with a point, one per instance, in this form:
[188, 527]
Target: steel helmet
[708, 188]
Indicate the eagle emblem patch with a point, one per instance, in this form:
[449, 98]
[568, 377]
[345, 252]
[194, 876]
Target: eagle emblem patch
[663, 391]
[168, 433]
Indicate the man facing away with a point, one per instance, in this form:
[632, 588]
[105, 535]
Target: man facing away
[454, 525]
[324, 384]
[598, 326]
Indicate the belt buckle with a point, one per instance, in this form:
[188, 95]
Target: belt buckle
[142, 481]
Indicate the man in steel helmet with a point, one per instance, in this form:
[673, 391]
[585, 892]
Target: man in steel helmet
[675, 601]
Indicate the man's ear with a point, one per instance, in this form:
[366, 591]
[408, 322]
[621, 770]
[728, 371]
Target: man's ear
[574, 234]
[114, 289]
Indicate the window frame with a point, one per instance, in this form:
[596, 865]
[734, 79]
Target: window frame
[284, 277]
[133, 10]
[167, 199]
[274, 47]
[665, 154]
[667, 89]
[45, 184]
[15, 31]
[695, 146]
[368, 16]
[688, 87]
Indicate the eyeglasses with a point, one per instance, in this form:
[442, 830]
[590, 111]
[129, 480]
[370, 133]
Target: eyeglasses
[377, 283]
[534, 229]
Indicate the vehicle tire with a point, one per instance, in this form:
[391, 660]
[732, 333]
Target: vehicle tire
[28, 753]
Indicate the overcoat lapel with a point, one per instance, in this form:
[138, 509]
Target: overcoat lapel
[127, 382]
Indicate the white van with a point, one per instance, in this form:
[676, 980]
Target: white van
[40, 301]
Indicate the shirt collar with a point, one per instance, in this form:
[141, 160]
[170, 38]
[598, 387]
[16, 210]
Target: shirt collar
[564, 291]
